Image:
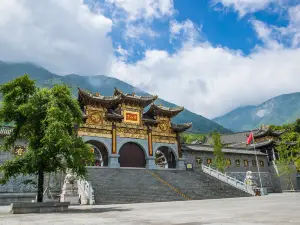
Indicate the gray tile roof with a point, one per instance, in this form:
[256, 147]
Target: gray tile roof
[209, 148]
[261, 144]
[239, 138]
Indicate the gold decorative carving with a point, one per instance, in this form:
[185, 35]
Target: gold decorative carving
[163, 139]
[95, 118]
[92, 108]
[99, 127]
[132, 107]
[159, 118]
[131, 133]
[163, 126]
[86, 131]
[131, 125]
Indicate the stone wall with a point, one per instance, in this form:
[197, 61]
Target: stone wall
[17, 185]
[288, 181]
[191, 157]
[269, 172]
[266, 178]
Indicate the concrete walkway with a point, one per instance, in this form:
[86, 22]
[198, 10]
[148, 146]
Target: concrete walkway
[281, 209]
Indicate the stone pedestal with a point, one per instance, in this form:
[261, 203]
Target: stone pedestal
[38, 207]
[180, 164]
[113, 161]
[150, 163]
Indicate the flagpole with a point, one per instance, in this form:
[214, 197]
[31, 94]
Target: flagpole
[256, 160]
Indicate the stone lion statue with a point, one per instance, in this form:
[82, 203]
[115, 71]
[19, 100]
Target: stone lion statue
[70, 178]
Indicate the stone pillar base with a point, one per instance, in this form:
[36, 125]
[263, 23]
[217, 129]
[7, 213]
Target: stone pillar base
[150, 163]
[180, 164]
[69, 193]
[113, 161]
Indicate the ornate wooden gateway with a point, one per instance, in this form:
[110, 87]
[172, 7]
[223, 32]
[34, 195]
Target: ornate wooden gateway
[120, 125]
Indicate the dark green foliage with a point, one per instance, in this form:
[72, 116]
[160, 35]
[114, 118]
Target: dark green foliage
[219, 159]
[285, 162]
[102, 84]
[188, 138]
[46, 118]
[289, 154]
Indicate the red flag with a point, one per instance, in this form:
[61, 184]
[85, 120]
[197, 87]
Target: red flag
[250, 138]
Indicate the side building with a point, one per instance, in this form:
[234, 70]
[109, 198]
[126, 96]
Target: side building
[241, 157]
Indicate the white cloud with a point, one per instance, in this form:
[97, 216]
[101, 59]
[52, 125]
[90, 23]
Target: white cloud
[144, 9]
[267, 34]
[134, 31]
[134, 18]
[63, 36]
[123, 53]
[246, 6]
[67, 37]
[293, 28]
[211, 81]
[186, 30]
[276, 37]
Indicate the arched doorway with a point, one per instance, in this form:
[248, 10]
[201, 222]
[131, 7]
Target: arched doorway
[100, 153]
[132, 155]
[165, 158]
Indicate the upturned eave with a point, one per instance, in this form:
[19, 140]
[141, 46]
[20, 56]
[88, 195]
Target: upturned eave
[160, 110]
[178, 128]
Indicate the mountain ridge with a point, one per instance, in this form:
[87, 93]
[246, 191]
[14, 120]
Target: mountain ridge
[278, 110]
[103, 84]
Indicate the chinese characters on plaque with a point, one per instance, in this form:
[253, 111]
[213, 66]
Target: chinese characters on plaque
[131, 116]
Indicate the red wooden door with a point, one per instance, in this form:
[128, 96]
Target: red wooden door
[131, 155]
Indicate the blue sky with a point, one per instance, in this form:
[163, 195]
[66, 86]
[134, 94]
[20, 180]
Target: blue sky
[210, 56]
[217, 24]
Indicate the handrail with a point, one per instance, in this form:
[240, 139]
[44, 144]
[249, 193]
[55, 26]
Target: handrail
[227, 179]
[86, 192]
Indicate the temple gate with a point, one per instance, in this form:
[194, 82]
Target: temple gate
[125, 135]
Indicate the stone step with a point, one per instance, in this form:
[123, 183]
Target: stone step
[118, 186]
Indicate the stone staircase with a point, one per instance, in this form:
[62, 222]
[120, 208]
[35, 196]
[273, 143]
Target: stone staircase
[199, 185]
[130, 185]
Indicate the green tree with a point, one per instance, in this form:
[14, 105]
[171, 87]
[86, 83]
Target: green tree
[47, 119]
[285, 162]
[188, 138]
[288, 150]
[219, 159]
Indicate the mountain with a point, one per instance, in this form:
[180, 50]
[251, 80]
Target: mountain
[102, 84]
[277, 111]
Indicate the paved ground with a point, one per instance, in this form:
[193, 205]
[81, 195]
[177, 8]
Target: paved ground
[281, 209]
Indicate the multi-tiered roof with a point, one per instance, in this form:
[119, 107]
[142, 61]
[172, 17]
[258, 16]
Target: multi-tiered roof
[112, 104]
